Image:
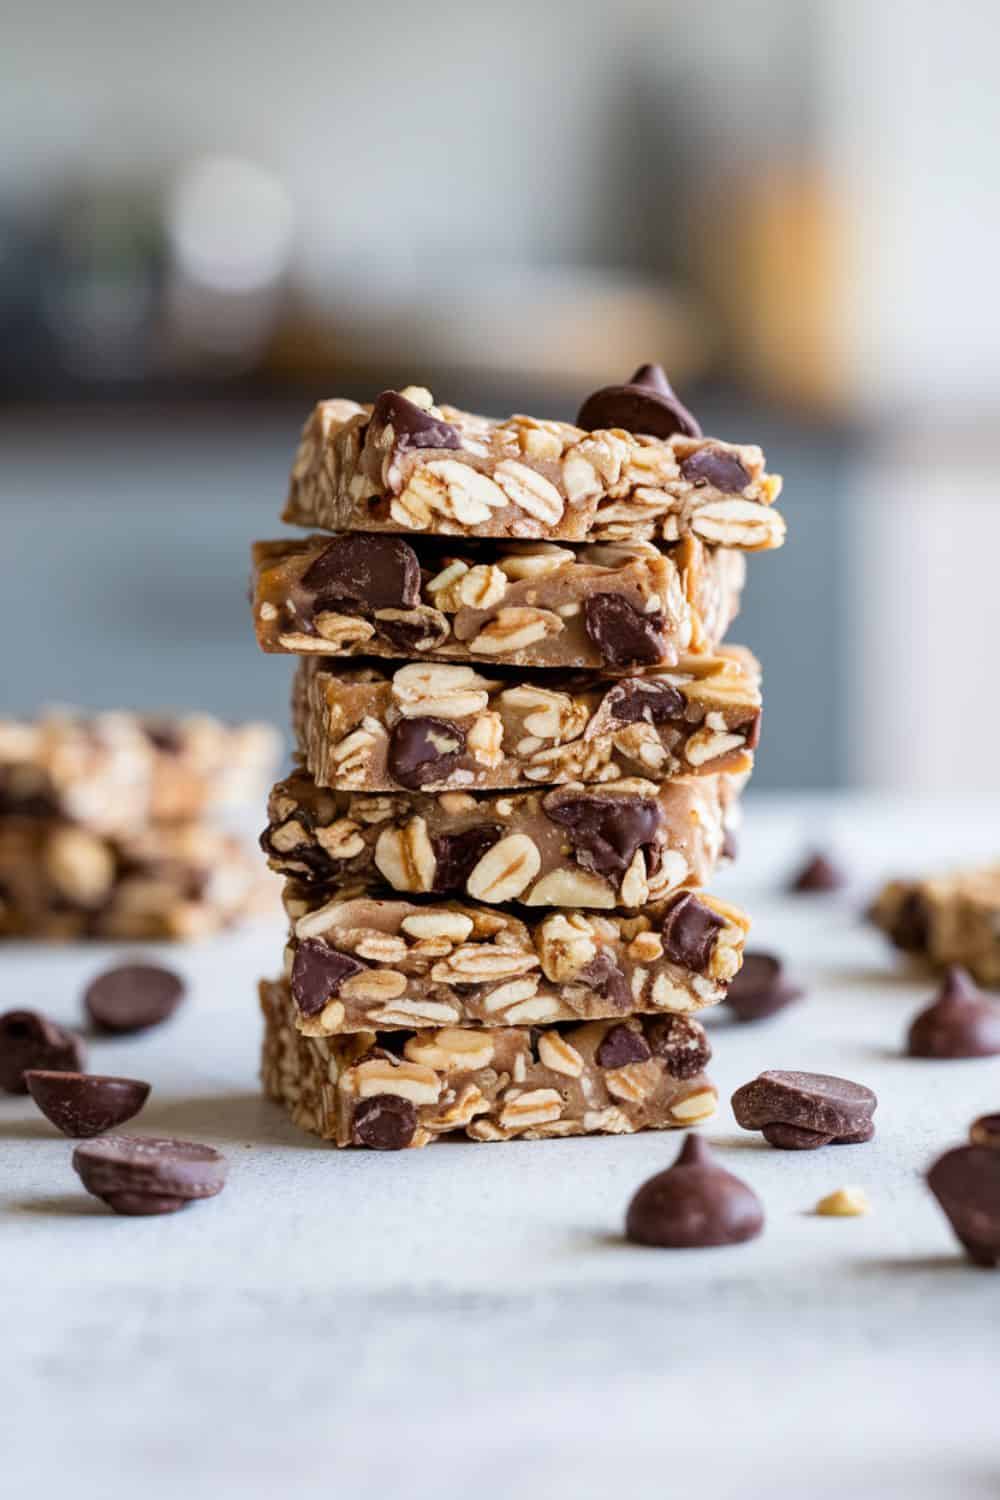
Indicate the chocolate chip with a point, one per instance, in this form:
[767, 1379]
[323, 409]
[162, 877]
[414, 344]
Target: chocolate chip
[760, 989]
[318, 971]
[84, 1104]
[458, 854]
[605, 831]
[30, 1040]
[133, 997]
[816, 1103]
[384, 1122]
[624, 637]
[422, 751]
[819, 873]
[603, 975]
[645, 404]
[682, 1043]
[715, 467]
[793, 1137]
[961, 1022]
[373, 572]
[689, 930]
[420, 629]
[911, 929]
[648, 702]
[412, 426]
[149, 1174]
[966, 1183]
[621, 1046]
[986, 1132]
[693, 1205]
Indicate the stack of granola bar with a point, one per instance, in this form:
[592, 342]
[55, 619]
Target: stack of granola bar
[521, 749]
[105, 827]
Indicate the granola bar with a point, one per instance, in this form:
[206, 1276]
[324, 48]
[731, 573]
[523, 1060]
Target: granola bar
[404, 464]
[439, 727]
[389, 1091]
[358, 961]
[118, 772]
[59, 880]
[953, 919]
[614, 605]
[619, 843]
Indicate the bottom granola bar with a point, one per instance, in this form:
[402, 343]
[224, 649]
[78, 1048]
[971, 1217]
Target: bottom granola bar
[390, 1090]
[954, 919]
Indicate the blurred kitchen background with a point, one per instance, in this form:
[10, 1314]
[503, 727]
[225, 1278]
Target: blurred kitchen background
[212, 214]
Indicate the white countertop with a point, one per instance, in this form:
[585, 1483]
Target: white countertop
[467, 1319]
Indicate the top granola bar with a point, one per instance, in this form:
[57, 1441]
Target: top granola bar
[405, 464]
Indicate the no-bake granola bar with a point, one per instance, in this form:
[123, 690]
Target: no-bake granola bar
[390, 1091]
[952, 919]
[615, 605]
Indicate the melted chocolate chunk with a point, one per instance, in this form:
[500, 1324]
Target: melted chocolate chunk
[648, 702]
[422, 751]
[425, 630]
[624, 637]
[621, 1046]
[694, 1205]
[682, 1043]
[385, 1122]
[603, 974]
[373, 572]
[412, 426]
[689, 931]
[457, 855]
[605, 831]
[318, 971]
[714, 466]
[961, 1022]
[645, 404]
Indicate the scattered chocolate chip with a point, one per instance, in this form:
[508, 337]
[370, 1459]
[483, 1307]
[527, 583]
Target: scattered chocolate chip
[961, 1022]
[318, 971]
[624, 637]
[384, 1122]
[819, 873]
[605, 831]
[373, 572]
[424, 750]
[412, 426]
[133, 997]
[637, 701]
[911, 930]
[645, 404]
[149, 1174]
[715, 467]
[689, 930]
[603, 975]
[84, 1104]
[986, 1132]
[760, 989]
[693, 1205]
[966, 1183]
[682, 1043]
[811, 1104]
[621, 1046]
[30, 1040]
[458, 854]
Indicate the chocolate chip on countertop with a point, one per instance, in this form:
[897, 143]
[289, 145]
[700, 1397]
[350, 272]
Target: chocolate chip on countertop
[760, 989]
[412, 426]
[813, 1102]
[621, 1046]
[794, 1138]
[986, 1132]
[624, 637]
[133, 997]
[961, 1022]
[689, 930]
[682, 1043]
[966, 1183]
[318, 971]
[424, 750]
[819, 873]
[456, 855]
[649, 702]
[85, 1104]
[374, 572]
[605, 831]
[149, 1174]
[695, 1204]
[646, 404]
[30, 1040]
[384, 1122]
[715, 467]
